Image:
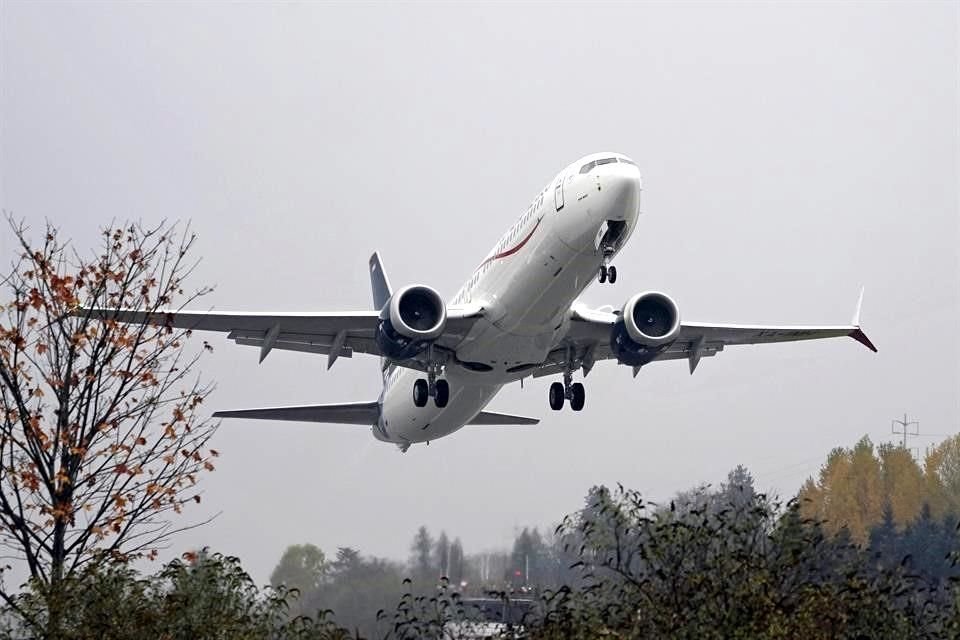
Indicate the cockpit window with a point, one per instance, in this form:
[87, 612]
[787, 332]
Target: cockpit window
[628, 161]
[587, 168]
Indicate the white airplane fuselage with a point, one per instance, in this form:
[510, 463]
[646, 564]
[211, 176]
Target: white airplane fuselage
[526, 286]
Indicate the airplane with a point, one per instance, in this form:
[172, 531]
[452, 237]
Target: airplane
[516, 317]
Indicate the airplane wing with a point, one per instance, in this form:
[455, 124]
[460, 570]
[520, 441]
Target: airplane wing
[334, 334]
[362, 413]
[588, 338]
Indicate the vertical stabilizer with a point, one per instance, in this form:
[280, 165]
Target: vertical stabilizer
[380, 285]
[379, 282]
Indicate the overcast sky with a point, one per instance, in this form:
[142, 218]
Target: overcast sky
[790, 153]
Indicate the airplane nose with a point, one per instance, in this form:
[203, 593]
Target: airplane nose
[620, 188]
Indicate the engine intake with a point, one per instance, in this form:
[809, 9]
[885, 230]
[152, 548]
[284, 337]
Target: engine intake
[412, 317]
[649, 323]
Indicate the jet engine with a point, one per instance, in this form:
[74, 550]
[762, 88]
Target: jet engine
[648, 324]
[412, 317]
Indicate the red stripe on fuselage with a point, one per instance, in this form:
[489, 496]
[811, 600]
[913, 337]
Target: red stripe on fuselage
[509, 252]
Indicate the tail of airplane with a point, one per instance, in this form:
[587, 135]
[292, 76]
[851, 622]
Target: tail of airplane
[379, 282]
[380, 285]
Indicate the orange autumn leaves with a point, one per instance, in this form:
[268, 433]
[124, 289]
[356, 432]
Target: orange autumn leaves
[856, 486]
[102, 433]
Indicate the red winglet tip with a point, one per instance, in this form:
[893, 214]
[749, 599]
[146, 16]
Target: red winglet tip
[858, 335]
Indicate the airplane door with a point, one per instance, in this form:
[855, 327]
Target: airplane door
[558, 194]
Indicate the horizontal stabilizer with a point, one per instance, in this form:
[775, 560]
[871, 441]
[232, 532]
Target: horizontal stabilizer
[363, 413]
[491, 418]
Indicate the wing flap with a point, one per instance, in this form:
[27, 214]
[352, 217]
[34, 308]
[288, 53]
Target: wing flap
[361, 413]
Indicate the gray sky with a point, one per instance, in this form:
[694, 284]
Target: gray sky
[791, 154]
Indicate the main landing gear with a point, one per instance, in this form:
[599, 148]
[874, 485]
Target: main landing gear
[432, 387]
[567, 390]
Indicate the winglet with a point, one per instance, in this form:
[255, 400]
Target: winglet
[857, 333]
[856, 314]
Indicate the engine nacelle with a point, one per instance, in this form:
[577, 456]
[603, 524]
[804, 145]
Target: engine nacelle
[412, 317]
[648, 324]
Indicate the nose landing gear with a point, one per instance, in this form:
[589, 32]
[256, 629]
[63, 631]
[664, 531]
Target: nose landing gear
[608, 274]
[608, 243]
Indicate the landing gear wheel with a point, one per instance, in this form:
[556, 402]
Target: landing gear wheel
[420, 392]
[603, 273]
[443, 393]
[611, 274]
[556, 396]
[577, 395]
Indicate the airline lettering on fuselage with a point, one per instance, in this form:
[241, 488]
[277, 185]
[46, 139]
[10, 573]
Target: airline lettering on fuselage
[500, 251]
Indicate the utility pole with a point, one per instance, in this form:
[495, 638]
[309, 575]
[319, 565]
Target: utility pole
[905, 428]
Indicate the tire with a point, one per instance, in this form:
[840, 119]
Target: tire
[603, 274]
[420, 392]
[611, 274]
[556, 396]
[579, 396]
[443, 393]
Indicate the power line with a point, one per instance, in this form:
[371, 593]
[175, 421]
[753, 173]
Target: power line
[905, 428]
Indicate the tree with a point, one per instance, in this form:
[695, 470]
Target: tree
[442, 553]
[356, 589]
[101, 438]
[904, 486]
[421, 551]
[301, 567]
[849, 493]
[700, 571]
[456, 574]
[202, 596]
[738, 490]
[861, 487]
[942, 477]
[526, 559]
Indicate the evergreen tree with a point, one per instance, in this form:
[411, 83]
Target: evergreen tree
[421, 561]
[456, 568]
[442, 554]
[527, 549]
[738, 491]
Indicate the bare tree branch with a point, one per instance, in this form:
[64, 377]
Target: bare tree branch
[102, 439]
